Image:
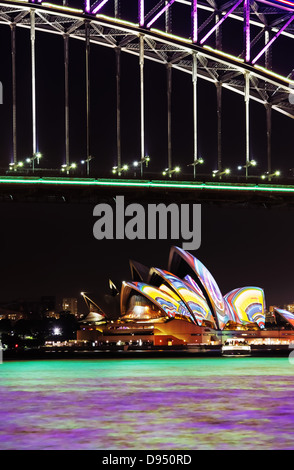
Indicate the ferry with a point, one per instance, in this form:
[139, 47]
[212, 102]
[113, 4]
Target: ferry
[236, 347]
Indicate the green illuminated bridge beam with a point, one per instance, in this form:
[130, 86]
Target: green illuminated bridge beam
[17, 188]
[242, 65]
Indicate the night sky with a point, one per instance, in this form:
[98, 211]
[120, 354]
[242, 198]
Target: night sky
[49, 249]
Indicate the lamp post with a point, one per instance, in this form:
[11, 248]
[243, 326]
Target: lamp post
[269, 175]
[215, 173]
[247, 166]
[171, 171]
[87, 161]
[141, 162]
[32, 159]
[119, 170]
[15, 166]
[68, 167]
[198, 161]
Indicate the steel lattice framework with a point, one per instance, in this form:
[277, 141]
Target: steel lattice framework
[243, 65]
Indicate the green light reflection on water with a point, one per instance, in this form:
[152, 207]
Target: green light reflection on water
[153, 367]
[188, 403]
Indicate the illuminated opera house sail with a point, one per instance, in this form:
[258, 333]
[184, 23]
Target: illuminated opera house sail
[187, 291]
[183, 305]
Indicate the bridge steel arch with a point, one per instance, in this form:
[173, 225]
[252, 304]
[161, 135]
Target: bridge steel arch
[201, 54]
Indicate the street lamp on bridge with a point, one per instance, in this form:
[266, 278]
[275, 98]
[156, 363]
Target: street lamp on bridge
[270, 175]
[15, 165]
[170, 172]
[68, 167]
[141, 162]
[119, 170]
[87, 161]
[247, 165]
[195, 163]
[32, 159]
[215, 173]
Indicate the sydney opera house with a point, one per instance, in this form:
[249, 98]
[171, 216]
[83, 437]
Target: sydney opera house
[183, 306]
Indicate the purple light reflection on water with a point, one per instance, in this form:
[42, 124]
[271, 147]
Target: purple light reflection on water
[189, 403]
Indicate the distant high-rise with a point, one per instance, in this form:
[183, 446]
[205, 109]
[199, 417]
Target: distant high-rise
[48, 303]
[290, 307]
[70, 304]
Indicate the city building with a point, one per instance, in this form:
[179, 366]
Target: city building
[20, 310]
[48, 307]
[12, 315]
[70, 304]
[290, 307]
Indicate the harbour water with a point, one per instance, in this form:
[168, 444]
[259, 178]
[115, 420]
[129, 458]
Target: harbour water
[147, 403]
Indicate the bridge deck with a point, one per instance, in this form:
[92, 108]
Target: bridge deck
[54, 189]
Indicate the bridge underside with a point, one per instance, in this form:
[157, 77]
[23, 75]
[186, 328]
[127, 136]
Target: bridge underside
[92, 191]
[243, 67]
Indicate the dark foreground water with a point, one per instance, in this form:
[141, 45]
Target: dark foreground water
[170, 404]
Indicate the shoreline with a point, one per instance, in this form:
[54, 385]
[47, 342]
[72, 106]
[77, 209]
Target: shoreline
[119, 353]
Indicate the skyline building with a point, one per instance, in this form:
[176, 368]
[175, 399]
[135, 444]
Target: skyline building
[70, 304]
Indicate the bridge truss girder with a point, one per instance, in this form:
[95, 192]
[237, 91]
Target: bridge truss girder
[214, 65]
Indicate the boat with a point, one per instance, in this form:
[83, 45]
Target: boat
[236, 347]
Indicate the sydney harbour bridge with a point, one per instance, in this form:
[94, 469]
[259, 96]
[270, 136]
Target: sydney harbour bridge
[241, 50]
